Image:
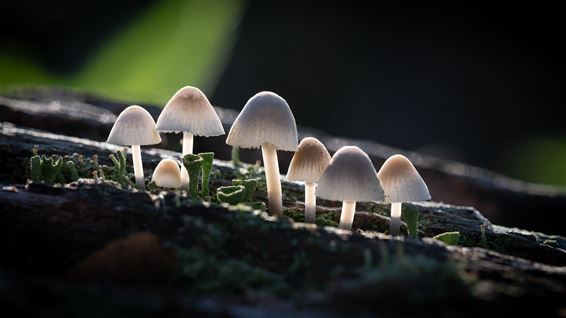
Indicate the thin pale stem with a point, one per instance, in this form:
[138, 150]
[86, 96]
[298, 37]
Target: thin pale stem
[395, 222]
[347, 215]
[310, 202]
[272, 179]
[138, 166]
[187, 149]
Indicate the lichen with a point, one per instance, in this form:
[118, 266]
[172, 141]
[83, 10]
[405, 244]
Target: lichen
[193, 164]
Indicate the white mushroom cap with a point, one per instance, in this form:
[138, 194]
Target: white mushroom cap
[189, 110]
[309, 162]
[134, 126]
[350, 176]
[401, 181]
[167, 174]
[266, 117]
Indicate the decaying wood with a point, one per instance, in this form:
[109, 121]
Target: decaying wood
[16, 145]
[501, 199]
[59, 226]
[46, 230]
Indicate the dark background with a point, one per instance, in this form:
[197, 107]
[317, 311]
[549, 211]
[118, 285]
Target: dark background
[481, 83]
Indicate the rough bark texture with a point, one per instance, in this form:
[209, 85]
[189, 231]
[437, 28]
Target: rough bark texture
[501, 199]
[234, 262]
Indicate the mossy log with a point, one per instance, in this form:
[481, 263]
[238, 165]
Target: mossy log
[503, 200]
[305, 269]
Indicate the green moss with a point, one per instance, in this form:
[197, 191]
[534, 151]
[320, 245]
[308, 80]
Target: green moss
[326, 219]
[294, 214]
[409, 278]
[205, 273]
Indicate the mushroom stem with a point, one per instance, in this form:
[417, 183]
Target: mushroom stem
[272, 178]
[395, 222]
[138, 167]
[310, 202]
[187, 149]
[347, 215]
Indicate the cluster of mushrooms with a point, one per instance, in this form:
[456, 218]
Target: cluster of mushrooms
[266, 121]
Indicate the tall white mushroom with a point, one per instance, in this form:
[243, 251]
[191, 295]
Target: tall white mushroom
[135, 127]
[167, 174]
[402, 183]
[308, 164]
[267, 122]
[350, 177]
[189, 112]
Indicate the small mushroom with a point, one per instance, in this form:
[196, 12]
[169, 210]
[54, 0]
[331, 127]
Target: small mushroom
[267, 122]
[190, 112]
[167, 174]
[350, 177]
[135, 127]
[307, 165]
[402, 183]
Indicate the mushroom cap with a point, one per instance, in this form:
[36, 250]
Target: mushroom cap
[401, 181]
[134, 126]
[350, 176]
[266, 117]
[189, 110]
[167, 174]
[309, 161]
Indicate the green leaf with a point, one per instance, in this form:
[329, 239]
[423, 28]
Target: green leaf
[449, 238]
[411, 217]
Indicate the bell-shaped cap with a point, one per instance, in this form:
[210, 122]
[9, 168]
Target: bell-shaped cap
[266, 117]
[350, 176]
[134, 126]
[309, 162]
[167, 174]
[401, 181]
[190, 111]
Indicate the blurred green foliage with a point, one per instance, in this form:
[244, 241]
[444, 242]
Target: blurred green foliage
[538, 159]
[172, 44]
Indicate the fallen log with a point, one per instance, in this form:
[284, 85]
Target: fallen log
[503, 200]
[16, 145]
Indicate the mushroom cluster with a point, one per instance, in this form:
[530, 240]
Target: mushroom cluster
[267, 122]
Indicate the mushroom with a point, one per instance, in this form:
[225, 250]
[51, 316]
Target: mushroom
[402, 183]
[167, 174]
[350, 177]
[190, 112]
[308, 164]
[266, 121]
[135, 127]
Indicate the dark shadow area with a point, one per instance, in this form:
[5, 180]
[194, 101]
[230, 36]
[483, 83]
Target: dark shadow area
[61, 35]
[464, 81]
